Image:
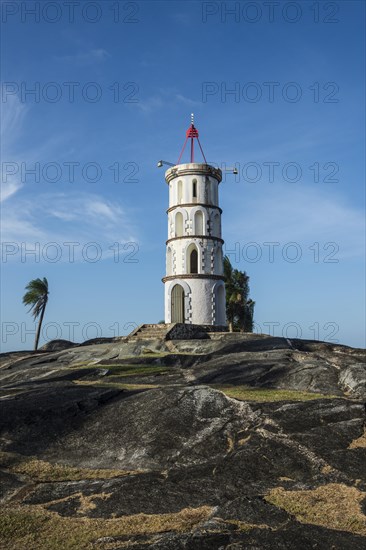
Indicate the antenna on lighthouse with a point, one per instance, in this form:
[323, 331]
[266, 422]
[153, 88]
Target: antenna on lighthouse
[192, 134]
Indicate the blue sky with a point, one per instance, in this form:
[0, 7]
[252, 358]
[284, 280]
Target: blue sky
[113, 95]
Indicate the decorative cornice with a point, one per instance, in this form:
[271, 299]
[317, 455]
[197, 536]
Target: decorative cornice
[194, 204]
[193, 276]
[193, 169]
[195, 237]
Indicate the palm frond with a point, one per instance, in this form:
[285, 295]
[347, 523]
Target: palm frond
[36, 295]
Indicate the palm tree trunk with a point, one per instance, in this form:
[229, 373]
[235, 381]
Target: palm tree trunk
[39, 328]
[231, 326]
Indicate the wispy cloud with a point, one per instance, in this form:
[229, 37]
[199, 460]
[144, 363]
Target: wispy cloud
[165, 99]
[96, 55]
[52, 217]
[187, 101]
[296, 214]
[61, 218]
[150, 104]
[12, 116]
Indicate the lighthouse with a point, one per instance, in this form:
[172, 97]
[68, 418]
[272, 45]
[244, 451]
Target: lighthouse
[194, 281]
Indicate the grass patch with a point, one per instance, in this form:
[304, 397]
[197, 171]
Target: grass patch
[33, 527]
[360, 442]
[133, 370]
[335, 506]
[127, 369]
[148, 351]
[42, 471]
[115, 384]
[244, 527]
[247, 393]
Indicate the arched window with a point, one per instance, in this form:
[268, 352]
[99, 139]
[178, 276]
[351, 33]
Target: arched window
[180, 191]
[194, 189]
[198, 223]
[179, 225]
[192, 259]
[177, 304]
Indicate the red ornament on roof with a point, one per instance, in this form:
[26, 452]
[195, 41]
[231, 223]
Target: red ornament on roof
[192, 134]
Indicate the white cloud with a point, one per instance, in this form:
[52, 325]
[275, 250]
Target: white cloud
[295, 214]
[96, 55]
[151, 104]
[187, 101]
[29, 219]
[64, 218]
[12, 115]
[165, 99]
[8, 188]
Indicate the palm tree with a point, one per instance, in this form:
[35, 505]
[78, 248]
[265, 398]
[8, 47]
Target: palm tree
[37, 297]
[231, 293]
[239, 307]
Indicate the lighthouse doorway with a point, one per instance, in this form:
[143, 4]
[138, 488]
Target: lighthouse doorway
[177, 304]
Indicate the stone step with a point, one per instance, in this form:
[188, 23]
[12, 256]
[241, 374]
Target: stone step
[149, 334]
[160, 331]
[152, 331]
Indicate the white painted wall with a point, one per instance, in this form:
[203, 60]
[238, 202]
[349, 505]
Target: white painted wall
[201, 294]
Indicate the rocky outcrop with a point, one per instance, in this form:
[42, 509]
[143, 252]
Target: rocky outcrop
[141, 444]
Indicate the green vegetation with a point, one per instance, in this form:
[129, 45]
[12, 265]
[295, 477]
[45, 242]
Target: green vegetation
[33, 527]
[133, 370]
[37, 297]
[246, 393]
[239, 307]
[40, 470]
[335, 506]
[114, 384]
[126, 369]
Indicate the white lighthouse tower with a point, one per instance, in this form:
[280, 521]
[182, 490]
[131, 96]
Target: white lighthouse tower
[194, 282]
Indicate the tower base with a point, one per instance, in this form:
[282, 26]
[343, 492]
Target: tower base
[175, 331]
[195, 300]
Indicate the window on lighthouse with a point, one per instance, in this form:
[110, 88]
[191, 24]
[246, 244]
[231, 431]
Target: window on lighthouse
[198, 223]
[194, 189]
[180, 191]
[192, 259]
[179, 225]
